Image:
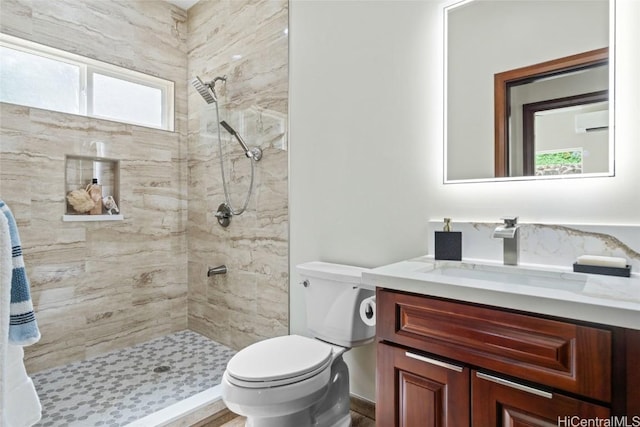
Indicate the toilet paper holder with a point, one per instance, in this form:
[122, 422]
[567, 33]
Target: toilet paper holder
[368, 311]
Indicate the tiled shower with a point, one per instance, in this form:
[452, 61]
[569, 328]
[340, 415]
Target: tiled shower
[247, 42]
[102, 286]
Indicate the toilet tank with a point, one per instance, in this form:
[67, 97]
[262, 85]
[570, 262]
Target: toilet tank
[333, 294]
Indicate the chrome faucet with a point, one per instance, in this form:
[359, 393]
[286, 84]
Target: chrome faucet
[511, 240]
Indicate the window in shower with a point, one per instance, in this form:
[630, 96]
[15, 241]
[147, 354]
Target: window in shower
[42, 77]
[38, 81]
[125, 100]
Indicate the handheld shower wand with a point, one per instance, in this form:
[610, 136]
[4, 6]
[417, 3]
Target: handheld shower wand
[233, 132]
[254, 153]
[225, 211]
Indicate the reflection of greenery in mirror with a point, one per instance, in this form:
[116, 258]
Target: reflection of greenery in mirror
[488, 37]
[558, 162]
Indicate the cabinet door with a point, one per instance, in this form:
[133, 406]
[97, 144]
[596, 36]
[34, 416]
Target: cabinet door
[417, 391]
[501, 403]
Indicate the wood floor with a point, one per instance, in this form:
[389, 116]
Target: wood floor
[357, 420]
[362, 415]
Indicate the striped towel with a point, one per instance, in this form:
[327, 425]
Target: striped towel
[23, 329]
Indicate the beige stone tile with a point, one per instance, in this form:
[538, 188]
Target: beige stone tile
[85, 28]
[131, 333]
[62, 339]
[272, 302]
[58, 297]
[14, 118]
[255, 242]
[15, 188]
[210, 321]
[51, 275]
[16, 18]
[40, 357]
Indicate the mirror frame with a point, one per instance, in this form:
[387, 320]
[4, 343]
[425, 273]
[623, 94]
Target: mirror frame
[505, 80]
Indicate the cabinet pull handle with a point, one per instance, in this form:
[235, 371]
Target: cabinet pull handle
[517, 386]
[434, 361]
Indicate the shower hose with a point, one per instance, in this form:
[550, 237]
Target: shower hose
[224, 180]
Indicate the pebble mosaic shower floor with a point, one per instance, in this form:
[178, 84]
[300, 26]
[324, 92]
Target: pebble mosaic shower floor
[125, 385]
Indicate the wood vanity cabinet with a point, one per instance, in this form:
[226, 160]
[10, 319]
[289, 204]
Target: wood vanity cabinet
[419, 391]
[448, 363]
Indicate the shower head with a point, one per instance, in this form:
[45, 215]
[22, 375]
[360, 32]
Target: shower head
[206, 90]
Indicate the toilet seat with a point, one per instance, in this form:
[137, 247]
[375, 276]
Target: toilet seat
[279, 361]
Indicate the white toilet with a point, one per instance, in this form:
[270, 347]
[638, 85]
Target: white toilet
[295, 381]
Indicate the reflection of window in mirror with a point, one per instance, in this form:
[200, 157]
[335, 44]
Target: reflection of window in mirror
[488, 37]
[565, 125]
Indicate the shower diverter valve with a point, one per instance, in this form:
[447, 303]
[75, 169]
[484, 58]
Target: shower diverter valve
[224, 215]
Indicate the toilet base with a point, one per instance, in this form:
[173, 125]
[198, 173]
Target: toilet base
[300, 419]
[292, 420]
[332, 410]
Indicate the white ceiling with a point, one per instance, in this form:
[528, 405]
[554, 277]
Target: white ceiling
[184, 4]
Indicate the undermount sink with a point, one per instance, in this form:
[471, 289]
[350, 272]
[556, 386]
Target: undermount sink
[510, 276]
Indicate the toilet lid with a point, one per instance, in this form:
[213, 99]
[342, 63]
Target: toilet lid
[278, 359]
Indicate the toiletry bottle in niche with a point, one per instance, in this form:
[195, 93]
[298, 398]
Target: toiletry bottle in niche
[448, 244]
[95, 192]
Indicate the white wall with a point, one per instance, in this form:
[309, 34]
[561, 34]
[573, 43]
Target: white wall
[360, 116]
[366, 166]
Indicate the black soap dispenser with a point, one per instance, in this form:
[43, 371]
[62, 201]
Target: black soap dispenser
[448, 244]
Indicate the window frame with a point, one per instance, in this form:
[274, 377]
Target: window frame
[88, 67]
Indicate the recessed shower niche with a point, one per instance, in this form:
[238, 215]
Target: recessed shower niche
[80, 173]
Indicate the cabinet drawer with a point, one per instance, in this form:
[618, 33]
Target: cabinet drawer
[497, 402]
[557, 354]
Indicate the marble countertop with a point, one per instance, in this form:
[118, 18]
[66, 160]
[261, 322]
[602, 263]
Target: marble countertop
[594, 298]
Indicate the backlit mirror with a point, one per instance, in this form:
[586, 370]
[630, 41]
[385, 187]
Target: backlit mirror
[527, 90]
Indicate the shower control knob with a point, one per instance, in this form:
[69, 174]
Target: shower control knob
[224, 215]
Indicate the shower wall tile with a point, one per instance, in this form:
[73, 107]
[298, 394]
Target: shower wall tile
[16, 18]
[100, 286]
[246, 41]
[207, 317]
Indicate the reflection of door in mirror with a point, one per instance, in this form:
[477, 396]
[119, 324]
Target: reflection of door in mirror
[562, 82]
[486, 37]
[556, 130]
